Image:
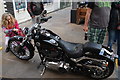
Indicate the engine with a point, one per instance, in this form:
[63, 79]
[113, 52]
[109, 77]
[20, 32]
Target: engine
[51, 52]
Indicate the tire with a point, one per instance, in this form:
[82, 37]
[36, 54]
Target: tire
[108, 72]
[25, 54]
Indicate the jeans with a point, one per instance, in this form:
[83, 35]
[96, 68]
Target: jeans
[6, 41]
[111, 38]
[36, 19]
[118, 44]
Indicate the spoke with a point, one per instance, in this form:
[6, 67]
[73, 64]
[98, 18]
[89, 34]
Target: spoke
[24, 52]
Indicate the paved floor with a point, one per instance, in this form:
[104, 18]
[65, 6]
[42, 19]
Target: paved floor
[60, 24]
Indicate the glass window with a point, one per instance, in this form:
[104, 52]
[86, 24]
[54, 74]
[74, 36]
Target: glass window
[20, 4]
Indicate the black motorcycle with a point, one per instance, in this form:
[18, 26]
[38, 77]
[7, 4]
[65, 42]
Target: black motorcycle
[90, 58]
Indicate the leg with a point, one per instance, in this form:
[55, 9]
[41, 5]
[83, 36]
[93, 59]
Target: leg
[6, 44]
[6, 41]
[101, 36]
[33, 20]
[92, 35]
[111, 38]
[38, 18]
[115, 38]
[118, 45]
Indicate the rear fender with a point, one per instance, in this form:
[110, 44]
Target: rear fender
[106, 53]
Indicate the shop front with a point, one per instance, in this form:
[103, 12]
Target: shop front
[18, 8]
[1, 8]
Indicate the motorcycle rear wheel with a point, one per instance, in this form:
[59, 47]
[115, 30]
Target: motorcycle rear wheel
[24, 54]
[97, 74]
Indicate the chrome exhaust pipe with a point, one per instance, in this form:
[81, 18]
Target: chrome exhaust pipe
[58, 66]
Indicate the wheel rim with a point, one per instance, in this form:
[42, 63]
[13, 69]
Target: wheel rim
[24, 54]
[97, 73]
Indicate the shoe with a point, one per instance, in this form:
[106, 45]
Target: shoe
[7, 50]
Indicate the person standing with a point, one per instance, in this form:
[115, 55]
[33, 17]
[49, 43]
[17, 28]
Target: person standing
[118, 42]
[113, 23]
[114, 27]
[35, 8]
[118, 31]
[98, 17]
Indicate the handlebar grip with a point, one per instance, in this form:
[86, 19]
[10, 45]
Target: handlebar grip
[49, 17]
[46, 18]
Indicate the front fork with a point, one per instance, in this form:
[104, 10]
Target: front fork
[22, 44]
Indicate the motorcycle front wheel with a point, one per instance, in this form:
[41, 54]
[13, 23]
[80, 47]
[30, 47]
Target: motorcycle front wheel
[24, 54]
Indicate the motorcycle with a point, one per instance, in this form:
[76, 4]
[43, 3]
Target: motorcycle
[90, 58]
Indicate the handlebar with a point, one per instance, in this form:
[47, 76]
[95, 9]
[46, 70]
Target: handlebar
[31, 30]
[45, 18]
[49, 17]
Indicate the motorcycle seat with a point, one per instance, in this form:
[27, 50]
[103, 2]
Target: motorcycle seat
[92, 47]
[73, 50]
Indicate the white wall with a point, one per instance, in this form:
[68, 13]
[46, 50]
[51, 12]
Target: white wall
[52, 7]
[1, 8]
[22, 15]
[1, 12]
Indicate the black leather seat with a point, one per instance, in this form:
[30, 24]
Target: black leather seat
[92, 47]
[73, 50]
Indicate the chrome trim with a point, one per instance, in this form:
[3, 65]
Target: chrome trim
[82, 58]
[51, 41]
[110, 53]
[38, 44]
[57, 65]
[91, 66]
[35, 25]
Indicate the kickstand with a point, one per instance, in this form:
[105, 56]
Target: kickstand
[41, 68]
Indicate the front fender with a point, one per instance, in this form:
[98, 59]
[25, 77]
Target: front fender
[20, 38]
